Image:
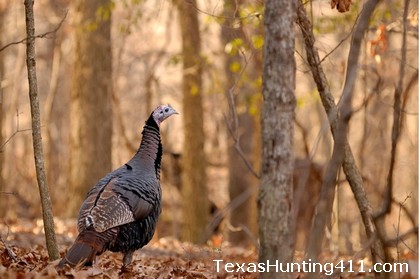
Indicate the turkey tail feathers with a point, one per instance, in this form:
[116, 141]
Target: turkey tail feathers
[78, 253]
[88, 244]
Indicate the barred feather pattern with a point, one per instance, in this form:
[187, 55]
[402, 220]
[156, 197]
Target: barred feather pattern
[135, 235]
[150, 151]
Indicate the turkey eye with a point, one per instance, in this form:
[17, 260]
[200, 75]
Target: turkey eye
[166, 110]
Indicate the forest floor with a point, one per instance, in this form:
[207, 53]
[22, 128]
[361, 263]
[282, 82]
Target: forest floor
[23, 255]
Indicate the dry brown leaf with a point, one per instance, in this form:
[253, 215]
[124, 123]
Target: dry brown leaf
[341, 5]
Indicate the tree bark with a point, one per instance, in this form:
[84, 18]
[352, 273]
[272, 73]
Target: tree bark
[278, 111]
[195, 202]
[36, 133]
[3, 198]
[90, 107]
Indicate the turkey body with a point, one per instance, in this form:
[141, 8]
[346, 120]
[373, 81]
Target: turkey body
[120, 212]
[135, 235]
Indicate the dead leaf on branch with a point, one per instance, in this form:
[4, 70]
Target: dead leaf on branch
[378, 45]
[341, 5]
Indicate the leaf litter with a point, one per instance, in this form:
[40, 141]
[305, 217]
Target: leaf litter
[23, 255]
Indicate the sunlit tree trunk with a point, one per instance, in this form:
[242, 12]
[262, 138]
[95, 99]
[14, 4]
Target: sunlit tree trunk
[278, 111]
[90, 106]
[3, 197]
[195, 203]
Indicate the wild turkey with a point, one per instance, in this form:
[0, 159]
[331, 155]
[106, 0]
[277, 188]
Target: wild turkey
[120, 212]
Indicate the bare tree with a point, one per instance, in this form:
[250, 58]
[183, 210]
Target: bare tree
[195, 206]
[278, 112]
[36, 133]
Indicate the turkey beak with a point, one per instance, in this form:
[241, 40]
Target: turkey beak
[173, 110]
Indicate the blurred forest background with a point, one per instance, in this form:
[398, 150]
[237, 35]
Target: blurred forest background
[212, 150]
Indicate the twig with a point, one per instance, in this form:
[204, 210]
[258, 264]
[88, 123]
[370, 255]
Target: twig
[401, 237]
[231, 14]
[18, 130]
[234, 128]
[407, 212]
[8, 193]
[43, 35]
[245, 229]
[341, 42]
[10, 252]
[364, 104]
[408, 247]
[221, 213]
[249, 16]
[242, 154]
[398, 227]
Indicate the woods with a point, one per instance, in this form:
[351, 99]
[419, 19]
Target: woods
[296, 139]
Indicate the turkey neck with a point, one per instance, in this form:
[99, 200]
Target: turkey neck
[149, 154]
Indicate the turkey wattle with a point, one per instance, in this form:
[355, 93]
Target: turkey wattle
[121, 210]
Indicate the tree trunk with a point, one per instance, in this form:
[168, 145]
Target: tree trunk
[278, 111]
[90, 106]
[36, 133]
[3, 197]
[195, 203]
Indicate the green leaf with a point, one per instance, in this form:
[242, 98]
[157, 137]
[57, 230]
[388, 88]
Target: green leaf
[233, 46]
[235, 67]
[194, 90]
[257, 41]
